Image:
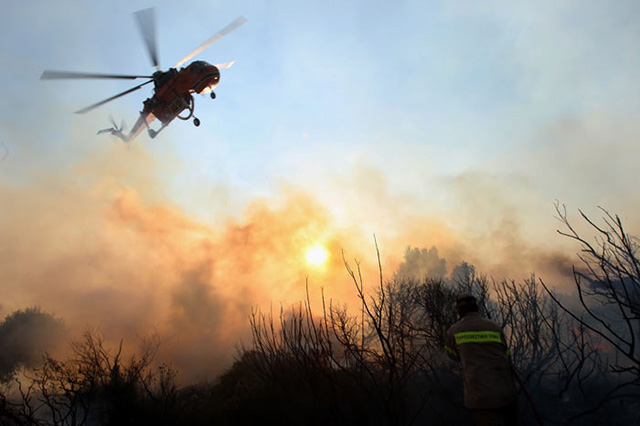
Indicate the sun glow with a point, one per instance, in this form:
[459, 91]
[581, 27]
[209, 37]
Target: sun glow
[316, 255]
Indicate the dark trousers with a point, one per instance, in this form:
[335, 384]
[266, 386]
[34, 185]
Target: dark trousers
[504, 416]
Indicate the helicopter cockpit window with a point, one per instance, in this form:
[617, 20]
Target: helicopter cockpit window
[198, 67]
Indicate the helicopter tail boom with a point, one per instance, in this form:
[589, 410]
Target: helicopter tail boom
[142, 122]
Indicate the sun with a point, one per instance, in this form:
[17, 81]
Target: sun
[316, 255]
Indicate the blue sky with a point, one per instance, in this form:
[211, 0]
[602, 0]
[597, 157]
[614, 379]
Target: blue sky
[526, 98]
[464, 81]
[456, 124]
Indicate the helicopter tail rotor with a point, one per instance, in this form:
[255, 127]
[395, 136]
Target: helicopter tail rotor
[115, 130]
[123, 125]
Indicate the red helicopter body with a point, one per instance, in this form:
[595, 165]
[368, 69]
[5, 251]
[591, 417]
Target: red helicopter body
[173, 89]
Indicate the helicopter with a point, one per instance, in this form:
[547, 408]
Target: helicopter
[173, 89]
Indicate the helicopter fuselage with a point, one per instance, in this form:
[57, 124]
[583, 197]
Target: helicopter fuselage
[174, 89]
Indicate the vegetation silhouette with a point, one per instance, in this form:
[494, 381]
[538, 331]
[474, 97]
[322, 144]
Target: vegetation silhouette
[379, 363]
[24, 336]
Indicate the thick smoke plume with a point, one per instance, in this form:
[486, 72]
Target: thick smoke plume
[102, 245]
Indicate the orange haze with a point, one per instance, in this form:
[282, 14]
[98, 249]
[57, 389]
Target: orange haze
[101, 244]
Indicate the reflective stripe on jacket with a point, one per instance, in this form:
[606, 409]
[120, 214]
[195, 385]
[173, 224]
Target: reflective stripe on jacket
[479, 344]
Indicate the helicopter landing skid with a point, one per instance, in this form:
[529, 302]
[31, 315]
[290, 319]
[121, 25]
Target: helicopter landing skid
[153, 133]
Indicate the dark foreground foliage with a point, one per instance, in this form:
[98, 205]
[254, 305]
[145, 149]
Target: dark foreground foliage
[380, 363]
[24, 336]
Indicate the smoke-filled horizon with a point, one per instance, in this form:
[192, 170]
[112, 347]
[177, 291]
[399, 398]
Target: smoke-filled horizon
[99, 246]
[422, 125]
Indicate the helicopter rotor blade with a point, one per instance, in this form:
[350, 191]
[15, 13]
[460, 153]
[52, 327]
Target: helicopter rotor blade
[225, 65]
[58, 75]
[223, 32]
[146, 19]
[97, 104]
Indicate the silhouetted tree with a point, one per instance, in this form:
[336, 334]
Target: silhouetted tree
[608, 292]
[94, 386]
[379, 366]
[380, 362]
[422, 263]
[389, 353]
[25, 335]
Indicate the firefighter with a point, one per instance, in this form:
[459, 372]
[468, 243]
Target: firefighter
[479, 345]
